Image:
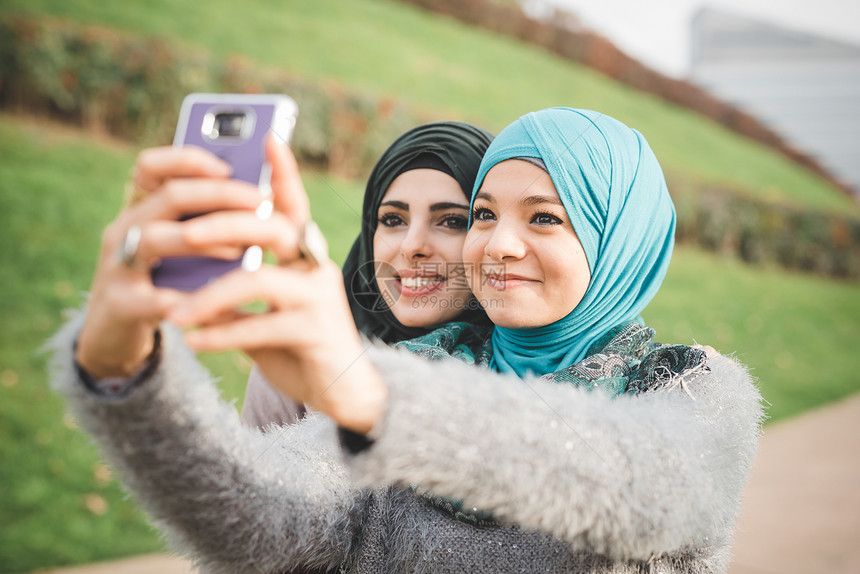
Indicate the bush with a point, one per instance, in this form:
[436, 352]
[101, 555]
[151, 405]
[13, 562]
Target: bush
[132, 88]
[765, 232]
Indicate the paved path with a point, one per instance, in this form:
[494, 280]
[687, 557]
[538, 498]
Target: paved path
[801, 510]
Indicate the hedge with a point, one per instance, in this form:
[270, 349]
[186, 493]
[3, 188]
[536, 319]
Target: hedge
[766, 232]
[131, 88]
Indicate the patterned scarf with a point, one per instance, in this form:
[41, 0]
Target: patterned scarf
[624, 360]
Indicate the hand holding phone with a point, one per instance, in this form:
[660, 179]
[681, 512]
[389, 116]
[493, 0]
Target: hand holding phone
[234, 127]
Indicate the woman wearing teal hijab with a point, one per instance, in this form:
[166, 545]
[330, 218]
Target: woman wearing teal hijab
[530, 469]
[616, 204]
[583, 189]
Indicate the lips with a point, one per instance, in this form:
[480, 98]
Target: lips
[504, 281]
[414, 283]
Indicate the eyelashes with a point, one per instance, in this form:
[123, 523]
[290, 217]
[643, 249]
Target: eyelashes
[482, 214]
[390, 220]
[454, 221]
[541, 218]
[546, 218]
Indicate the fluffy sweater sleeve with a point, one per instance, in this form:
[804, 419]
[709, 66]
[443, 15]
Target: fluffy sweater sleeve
[265, 407]
[638, 476]
[233, 498]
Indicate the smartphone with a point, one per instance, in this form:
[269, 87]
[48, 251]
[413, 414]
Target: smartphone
[234, 127]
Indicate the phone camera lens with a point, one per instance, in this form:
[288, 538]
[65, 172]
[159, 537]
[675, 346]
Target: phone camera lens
[228, 125]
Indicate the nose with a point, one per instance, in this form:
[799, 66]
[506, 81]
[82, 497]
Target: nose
[416, 244]
[505, 244]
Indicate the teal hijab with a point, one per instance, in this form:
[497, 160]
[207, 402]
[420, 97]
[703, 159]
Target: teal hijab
[614, 192]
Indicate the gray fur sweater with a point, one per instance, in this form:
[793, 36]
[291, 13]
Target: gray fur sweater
[580, 483]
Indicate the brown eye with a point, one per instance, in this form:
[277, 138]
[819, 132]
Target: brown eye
[391, 220]
[483, 214]
[546, 219]
[455, 222]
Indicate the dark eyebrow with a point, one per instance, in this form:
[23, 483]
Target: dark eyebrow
[539, 199]
[397, 204]
[446, 205]
[526, 201]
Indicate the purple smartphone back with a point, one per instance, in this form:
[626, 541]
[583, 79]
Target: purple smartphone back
[246, 155]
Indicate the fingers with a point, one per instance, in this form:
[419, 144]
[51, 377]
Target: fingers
[177, 199]
[287, 187]
[183, 197]
[278, 287]
[241, 229]
[157, 165]
[247, 333]
[137, 302]
[161, 239]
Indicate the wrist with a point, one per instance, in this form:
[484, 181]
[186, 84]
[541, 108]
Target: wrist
[120, 386]
[360, 401]
[115, 357]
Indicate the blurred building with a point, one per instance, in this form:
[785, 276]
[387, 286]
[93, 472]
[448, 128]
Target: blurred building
[803, 86]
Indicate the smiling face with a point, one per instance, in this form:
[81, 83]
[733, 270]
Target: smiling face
[418, 247]
[527, 266]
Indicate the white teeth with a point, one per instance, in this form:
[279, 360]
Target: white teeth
[419, 282]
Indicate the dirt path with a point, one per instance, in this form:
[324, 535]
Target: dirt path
[801, 510]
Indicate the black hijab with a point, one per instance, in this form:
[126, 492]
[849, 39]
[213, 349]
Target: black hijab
[454, 148]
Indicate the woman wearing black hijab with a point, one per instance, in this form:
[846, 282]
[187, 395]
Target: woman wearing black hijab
[404, 275]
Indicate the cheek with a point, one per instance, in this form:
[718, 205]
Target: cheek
[384, 246]
[473, 250]
[473, 247]
[570, 268]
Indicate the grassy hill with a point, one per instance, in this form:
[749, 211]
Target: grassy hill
[389, 48]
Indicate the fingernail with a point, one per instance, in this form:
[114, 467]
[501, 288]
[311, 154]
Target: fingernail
[264, 210]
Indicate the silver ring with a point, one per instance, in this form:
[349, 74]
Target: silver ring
[312, 244]
[129, 246]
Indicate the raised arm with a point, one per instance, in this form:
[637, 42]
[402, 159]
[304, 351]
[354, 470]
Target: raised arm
[231, 498]
[265, 407]
[633, 477]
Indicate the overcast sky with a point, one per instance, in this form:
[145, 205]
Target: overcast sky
[657, 32]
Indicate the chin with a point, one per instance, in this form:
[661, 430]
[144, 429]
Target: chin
[513, 320]
[426, 318]
[410, 318]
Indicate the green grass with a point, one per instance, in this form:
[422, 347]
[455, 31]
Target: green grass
[389, 48]
[797, 333]
[57, 192]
